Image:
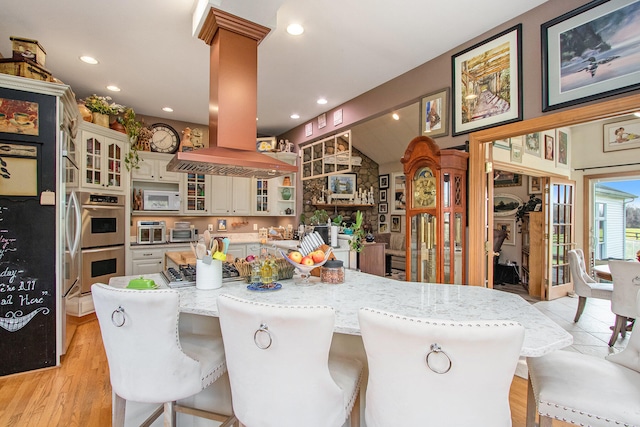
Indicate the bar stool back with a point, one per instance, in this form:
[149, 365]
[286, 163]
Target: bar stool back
[583, 285]
[280, 370]
[148, 360]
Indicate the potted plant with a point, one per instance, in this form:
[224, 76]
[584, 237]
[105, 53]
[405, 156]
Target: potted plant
[133, 128]
[356, 243]
[101, 108]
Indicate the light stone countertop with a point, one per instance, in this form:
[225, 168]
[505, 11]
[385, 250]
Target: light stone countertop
[426, 300]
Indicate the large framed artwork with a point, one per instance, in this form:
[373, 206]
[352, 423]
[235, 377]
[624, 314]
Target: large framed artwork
[590, 53]
[506, 179]
[622, 135]
[505, 204]
[434, 114]
[487, 83]
[342, 186]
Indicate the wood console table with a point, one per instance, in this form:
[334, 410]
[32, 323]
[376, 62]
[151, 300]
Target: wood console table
[372, 259]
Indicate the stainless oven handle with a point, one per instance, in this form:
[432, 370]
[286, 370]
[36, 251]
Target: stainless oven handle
[101, 207]
[102, 249]
[73, 204]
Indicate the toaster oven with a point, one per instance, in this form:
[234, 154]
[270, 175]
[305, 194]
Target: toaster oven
[183, 235]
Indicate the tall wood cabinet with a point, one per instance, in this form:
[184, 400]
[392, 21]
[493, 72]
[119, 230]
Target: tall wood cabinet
[533, 264]
[436, 212]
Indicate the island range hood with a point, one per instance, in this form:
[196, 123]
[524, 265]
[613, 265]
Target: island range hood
[233, 88]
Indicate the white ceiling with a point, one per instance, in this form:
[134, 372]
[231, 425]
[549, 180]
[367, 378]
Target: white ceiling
[146, 48]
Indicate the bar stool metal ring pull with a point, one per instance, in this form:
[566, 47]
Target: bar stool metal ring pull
[116, 316]
[436, 349]
[264, 329]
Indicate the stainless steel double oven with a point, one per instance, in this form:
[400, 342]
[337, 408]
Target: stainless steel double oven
[103, 236]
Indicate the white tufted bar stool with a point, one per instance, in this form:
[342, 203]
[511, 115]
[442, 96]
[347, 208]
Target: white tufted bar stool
[148, 360]
[626, 283]
[584, 286]
[586, 390]
[280, 370]
[427, 372]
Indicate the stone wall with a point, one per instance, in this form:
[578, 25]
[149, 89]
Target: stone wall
[367, 177]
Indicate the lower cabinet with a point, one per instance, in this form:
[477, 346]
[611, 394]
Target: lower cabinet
[147, 260]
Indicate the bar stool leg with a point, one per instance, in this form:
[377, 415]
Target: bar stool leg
[118, 406]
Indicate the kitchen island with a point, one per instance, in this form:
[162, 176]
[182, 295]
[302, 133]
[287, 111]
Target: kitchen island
[199, 313]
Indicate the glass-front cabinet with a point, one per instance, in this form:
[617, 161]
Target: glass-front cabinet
[436, 212]
[103, 158]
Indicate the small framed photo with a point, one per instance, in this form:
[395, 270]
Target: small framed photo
[322, 120]
[516, 150]
[383, 208]
[384, 181]
[383, 195]
[264, 145]
[383, 218]
[537, 207]
[383, 227]
[504, 144]
[621, 135]
[434, 114]
[222, 225]
[532, 144]
[562, 148]
[337, 117]
[507, 225]
[535, 185]
[308, 129]
[478, 104]
[342, 186]
[548, 147]
[395, 223]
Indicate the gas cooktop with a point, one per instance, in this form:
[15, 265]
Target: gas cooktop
[185, 275]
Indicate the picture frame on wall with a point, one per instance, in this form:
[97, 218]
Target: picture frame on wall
[383, 181]
[549, 147]
[516, 150]
[342, 186]
[562, 149]
[505, 204]
[383, 227]
[399, 202]
[506, 179]
[478, 69]
[508, 225]
[383, 208]
[623, 135]
[395, 224]
[434, 114]
[606, 64]
[532, 144]
[535, 185]
[383, 195]
[504, 144]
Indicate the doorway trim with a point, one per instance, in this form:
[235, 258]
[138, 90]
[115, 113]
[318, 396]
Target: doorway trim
[479, 217]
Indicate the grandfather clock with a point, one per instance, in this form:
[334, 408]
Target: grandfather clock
[436, 185]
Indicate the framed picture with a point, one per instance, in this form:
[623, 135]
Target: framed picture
[434, 114]
[586, 53]
[383, 208]
[507, 225]
[535, 185]
[506, 179]
[342, 186]
[266, 144]
[322, 120]
[516, 150]
[505, 144]
[222, 225]
[308, 129]
[383, 227]
[399, 202]
[383, 218]
[548, 147]
[505, 204]
[562, 149]
[383, 195]
[621, 135]
[487, 83]
[384, 181]
[532, 144]
[395, 223]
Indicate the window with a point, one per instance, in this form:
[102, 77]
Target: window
[328, 156]
[601, 227]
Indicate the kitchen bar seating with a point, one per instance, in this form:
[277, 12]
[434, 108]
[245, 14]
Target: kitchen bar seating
[280, 369]
[148, 360]
[626, 283]
[425, 372]
[584, 286]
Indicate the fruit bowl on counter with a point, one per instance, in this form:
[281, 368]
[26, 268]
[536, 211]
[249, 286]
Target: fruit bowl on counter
[306, 263]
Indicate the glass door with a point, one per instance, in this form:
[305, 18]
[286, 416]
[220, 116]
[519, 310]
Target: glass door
[560, 237]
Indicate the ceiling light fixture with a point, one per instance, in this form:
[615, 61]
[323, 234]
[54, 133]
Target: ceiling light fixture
[295, 116]
[89, 60]
[167, 109]
[321, 101]
[395, 116]
[295, 29]
[113, 88]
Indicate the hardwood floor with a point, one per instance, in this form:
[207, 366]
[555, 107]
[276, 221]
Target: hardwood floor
[78, 393]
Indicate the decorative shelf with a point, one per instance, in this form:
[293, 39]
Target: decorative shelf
[342, 205]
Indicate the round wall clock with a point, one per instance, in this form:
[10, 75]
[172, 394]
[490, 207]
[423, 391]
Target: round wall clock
[165, 139]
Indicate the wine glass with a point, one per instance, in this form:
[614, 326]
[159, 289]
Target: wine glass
[303, 269]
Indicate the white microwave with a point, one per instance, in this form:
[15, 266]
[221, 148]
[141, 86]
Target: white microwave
[156, 200]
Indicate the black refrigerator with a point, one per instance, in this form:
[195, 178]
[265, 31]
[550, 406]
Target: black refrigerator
[31, 230]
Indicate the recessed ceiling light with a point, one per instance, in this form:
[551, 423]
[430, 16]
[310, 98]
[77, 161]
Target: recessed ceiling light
[395, 116]
[89, 60]
[295, 29]
[113, 88]
[295, 116]
[321, 101]
[167, 109]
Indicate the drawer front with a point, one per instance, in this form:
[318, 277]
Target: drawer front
[147, 253]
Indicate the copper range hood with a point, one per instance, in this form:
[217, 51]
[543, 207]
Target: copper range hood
[233, 87]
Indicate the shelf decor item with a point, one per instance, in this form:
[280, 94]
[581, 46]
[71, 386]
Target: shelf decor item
[101, 108]
[286, 193]
[586, 54]
[487, 83]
